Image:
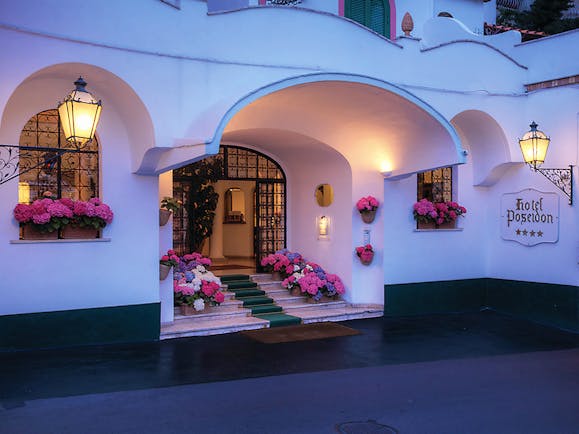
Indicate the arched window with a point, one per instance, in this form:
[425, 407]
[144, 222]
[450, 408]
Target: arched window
[374, 14]
[49, 163]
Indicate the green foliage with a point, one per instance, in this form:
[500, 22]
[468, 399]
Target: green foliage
[203, 200]
[171, 204]
[543, 16]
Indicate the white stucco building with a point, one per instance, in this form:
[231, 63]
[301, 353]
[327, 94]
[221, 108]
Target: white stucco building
[331, 102]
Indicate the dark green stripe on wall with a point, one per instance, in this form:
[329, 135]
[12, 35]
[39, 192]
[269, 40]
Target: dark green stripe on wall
[434, 297]
[550, 304]
[132, 323]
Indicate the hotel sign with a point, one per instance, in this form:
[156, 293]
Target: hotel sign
[530, 217]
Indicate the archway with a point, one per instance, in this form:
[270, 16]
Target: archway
[252, 230]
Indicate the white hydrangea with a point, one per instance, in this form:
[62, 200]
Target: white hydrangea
[199, 304]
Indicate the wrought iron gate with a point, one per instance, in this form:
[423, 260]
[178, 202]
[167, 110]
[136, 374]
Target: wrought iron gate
[269, 204]
[270, 217]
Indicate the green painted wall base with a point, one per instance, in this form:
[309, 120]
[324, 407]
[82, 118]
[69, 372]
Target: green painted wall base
[119, 324]
[550, 304]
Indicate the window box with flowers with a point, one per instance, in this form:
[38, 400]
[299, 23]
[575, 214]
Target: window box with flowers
[440, 215]
[51, 219]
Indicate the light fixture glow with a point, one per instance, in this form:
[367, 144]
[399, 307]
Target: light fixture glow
[79, 114]
[534, 145]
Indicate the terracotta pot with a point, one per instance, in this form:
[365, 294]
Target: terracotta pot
[296, 291]
[368, 262]
[190, 310]
[324, 299]
[163, 271]
[164, 215]
[276, 276]
[30, 232]
[69, 232]
[432, 225]
[368, 216]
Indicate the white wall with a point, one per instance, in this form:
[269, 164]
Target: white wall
[196, 71]
[238, 238]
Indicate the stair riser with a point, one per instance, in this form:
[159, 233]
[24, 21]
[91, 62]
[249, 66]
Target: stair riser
[329, 305]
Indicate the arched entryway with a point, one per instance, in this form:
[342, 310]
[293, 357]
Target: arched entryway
[251, 209]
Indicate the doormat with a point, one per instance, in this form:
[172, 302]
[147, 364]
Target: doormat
[303, 332]
[229, 266]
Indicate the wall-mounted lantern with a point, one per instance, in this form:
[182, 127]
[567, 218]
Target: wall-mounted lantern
[79, 114]
[534, 145]
[323, 227]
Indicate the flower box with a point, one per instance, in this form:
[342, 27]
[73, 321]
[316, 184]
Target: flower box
[432, 225]
[69, 232]
[31, 232]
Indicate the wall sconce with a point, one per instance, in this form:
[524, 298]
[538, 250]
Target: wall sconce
[534, 145]
[323, 225]
[79, 114]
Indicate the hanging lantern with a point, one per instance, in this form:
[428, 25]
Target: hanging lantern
[79, 114]
[534, 145]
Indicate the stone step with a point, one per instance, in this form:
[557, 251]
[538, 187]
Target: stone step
[271, 286]
[213, 326]
[304, 305]
[263, 277]
[215, 312]
[346, 313]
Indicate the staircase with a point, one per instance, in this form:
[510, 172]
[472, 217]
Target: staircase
[255, 299]
[256, 302]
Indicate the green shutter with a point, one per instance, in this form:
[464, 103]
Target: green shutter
[374, 14]
[355, 10]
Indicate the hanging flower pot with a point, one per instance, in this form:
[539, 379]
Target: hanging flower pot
[164, 215]
[163, 271]
[368, 216]
[367, 207]
[365, 254]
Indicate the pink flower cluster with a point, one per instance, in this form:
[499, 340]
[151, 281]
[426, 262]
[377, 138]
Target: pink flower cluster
[64, 211]
[275, 262]
[425, 211]
[170, 259]
[197, 257]
[368, 203]
[365, 253]
[41, 211]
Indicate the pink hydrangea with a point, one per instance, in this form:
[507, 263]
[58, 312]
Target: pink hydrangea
[23, 213]
[219, 297]
[41, 218]
[368, 203]
[209, 288]
[58, 209]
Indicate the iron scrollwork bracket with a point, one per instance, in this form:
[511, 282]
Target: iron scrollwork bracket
[10, 161]
[562, 179]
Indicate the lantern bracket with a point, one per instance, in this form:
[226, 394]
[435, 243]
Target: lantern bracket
[561, 178]
[10, 160]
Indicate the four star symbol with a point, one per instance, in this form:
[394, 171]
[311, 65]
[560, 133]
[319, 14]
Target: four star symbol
[531, 233]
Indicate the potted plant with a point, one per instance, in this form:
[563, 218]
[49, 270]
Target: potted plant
[169, 205]
[196, 289]
[276, 264]
[365, 253]
[440, 215]
[88, 218]
[167, 262]
[42, 219]
[367, 207]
